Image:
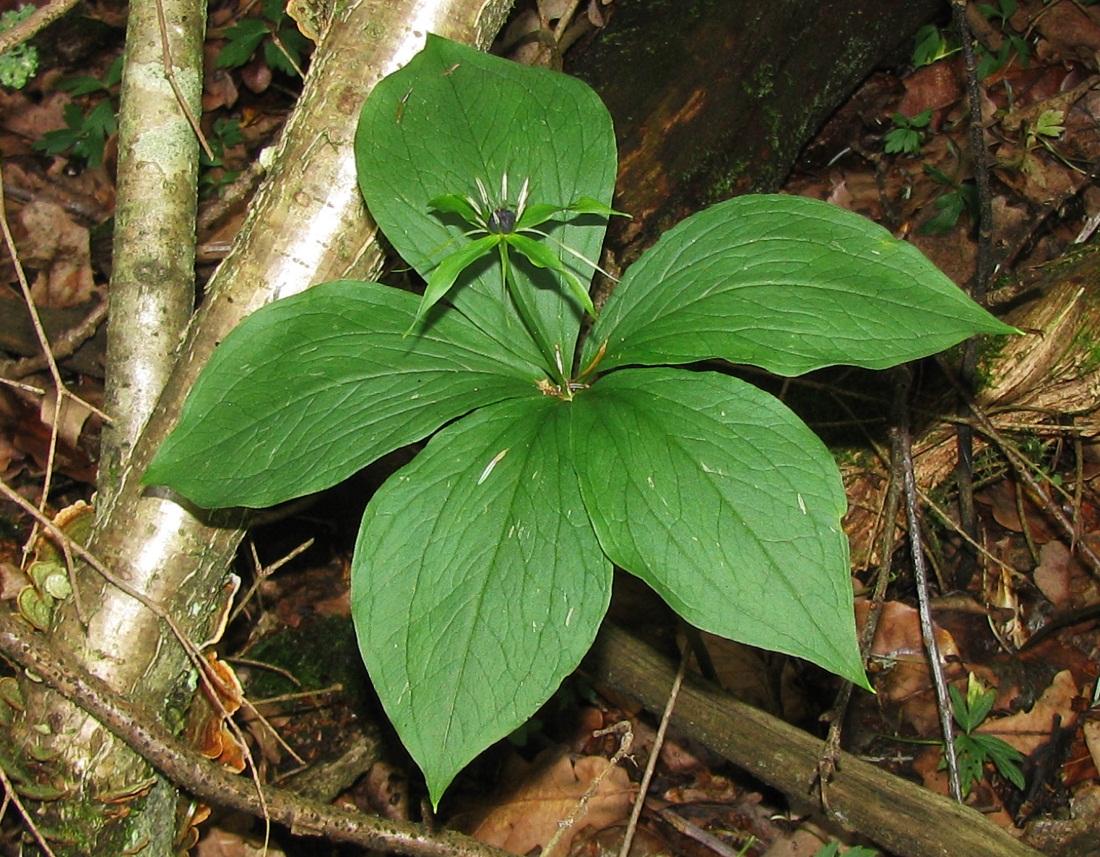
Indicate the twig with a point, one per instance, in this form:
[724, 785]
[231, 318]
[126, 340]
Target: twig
[60, 391]
[965, 436]
[978, 154]
[1023, 470]
[208, 781]
[698, 834]
[892, 503]
[65, 345]
[11, 795]
[928, 631]
[262, 573]
[37, 22]
[170, 76]
[651, 765]
[581, 807]
[207, 678]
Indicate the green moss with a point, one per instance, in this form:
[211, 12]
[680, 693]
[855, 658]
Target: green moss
[318, 653]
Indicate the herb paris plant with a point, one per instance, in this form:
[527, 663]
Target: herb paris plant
[483, 568]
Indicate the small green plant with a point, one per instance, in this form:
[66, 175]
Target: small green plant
[226, 133]
[932, 43]
[959, 197]
[86, 131]
[284, 47]
[832, 849]
[1013, 45]
[906, 135]
[18, 65]
[973, 750]
[483, 568]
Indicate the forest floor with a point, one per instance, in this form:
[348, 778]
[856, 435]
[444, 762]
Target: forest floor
[1020, 633]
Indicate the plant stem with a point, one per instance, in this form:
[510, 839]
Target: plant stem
[554, 366]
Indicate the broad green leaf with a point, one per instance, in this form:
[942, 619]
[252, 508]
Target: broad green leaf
[453, 116]
[785, 283]
[312, 388]
[724, 502]
[477, 584]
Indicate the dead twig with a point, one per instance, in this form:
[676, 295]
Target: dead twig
[891, 505]
[208, 781]
[978, 288]
[208, 679]
[170, 76]
[11, 795]
[63, 346]
[622, 728]
[651, 765]
[928, 631]
[60, 390]
[36, 23]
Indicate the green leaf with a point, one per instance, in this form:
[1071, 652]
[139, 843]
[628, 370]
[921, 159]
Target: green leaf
[478, 583]
[723, 501]
[454, 115]
[787, 284]
[243, 39]
[310, 389]
[1004, 756]
[443, 276]
[979, 701]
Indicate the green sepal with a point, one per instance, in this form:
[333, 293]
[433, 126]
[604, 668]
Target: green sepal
[542, 256]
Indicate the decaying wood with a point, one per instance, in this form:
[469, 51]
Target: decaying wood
[896, 814]
[1046, 380]
[715, 99]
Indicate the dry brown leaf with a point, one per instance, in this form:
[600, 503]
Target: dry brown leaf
[60, 250]
[1092, 741]
[71, 416]
[1063, 580]
[905, 677]
[1028, 730]
[539, 795]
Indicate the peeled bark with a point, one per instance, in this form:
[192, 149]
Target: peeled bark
[306, 225]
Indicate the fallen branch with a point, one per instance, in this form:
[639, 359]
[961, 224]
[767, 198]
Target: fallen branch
[211, 783]
[898, 815]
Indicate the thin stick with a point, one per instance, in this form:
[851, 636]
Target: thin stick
[651, 765]
[699, 835]
[11, 795]
[978, 288]
[581, 807]
[206, 677]
[27, 30]
[928, 631]
[170, 76]
[827, 765]
[65, 345]
[60, 391]
[210, 782]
